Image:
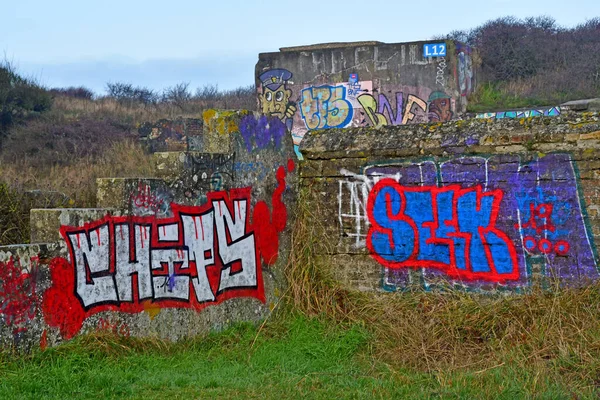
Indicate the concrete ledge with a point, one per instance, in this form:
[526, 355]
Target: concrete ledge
[133, 194]
[46, 222]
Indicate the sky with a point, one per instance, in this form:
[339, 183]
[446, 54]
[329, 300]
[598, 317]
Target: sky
[157, 44]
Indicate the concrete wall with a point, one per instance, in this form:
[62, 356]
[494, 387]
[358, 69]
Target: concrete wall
[197, 246]
[483, 205]
[341, 85]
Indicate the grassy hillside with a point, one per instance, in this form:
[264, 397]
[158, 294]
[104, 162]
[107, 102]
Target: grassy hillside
[57, 142]
[533, 62]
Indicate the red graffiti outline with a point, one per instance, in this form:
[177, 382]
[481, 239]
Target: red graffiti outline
[63, 309]
[450, 269]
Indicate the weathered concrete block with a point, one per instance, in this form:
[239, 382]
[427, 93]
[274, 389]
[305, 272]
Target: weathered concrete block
[219, 125]
[365, 84]
[46, 222]
[214, 256]
[135, 196]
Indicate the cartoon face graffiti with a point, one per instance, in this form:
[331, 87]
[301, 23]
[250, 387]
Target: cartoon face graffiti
[275, 97]
[440, 107]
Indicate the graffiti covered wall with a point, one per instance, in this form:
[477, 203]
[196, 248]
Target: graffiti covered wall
[468, 206]
[472, 219]
[543, 112]
[196, 247]
[201, 256]
[364, 84]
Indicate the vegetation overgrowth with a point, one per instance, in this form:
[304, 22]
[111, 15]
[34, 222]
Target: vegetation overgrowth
[553, 333]
[290, 357]
[533, 62]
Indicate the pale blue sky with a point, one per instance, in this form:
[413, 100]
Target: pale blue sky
[159, 43]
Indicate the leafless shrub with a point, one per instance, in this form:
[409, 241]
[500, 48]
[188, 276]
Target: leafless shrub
[553, 61]
[178, 95]
[128, 94]
[78, 92]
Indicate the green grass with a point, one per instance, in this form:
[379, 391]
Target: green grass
[494, 97]
[290, 358]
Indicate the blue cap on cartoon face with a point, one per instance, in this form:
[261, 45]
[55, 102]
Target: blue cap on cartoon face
[274, 78]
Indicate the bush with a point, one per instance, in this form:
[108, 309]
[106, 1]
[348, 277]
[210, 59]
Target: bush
[536, 58]
[46, 142]
[127, 93]
[177, 95]
[74, 92]
[19, 98]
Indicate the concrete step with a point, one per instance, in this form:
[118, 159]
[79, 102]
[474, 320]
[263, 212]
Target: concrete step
[45, 223]
[135, 196]
[174, 164]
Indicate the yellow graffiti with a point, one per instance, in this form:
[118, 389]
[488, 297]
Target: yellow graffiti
[221, 122]
[378, 119]
[152, 309]
[408, 114]
[369, 104]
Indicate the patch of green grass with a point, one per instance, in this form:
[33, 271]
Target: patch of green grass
[492, 97]
[294, 357]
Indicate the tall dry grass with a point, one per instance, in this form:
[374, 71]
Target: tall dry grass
[554, 332]
[14, 216]
[77, 179]
[131, 113]
[134, 113]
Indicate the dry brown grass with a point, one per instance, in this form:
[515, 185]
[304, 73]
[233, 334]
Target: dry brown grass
[77, 180]
[74, 184]
[554, 332]
[135, 113]
[14, 216]
[131, 113]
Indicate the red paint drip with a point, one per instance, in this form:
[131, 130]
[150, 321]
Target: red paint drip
[60, 306]
[44, 340]
[18, 297]
[98, 235]
[78, 242]
[201, 227]
[141, 238]
[195, 226]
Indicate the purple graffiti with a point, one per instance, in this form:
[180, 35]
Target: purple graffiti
[259, 133]
[384, 105]
[540, 212]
